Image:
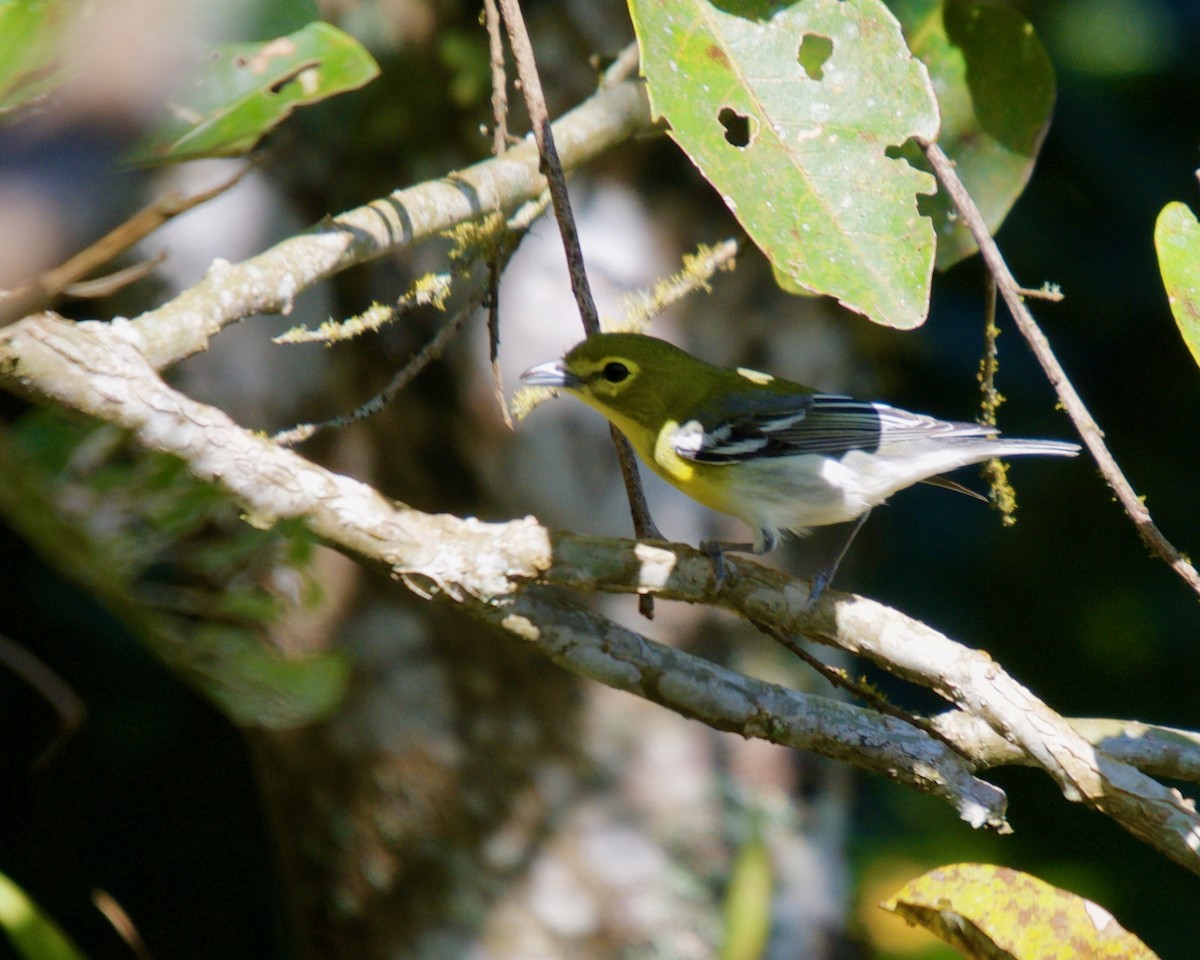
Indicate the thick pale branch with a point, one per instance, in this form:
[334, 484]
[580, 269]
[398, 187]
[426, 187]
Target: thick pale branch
[1155, 750]
[98, 369]
[270, 282]
[590, 645]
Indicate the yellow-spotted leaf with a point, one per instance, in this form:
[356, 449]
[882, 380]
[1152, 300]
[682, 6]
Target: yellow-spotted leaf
[247, 89]
[994, 913]
[793, 111]
[995, 89]
[1177, 239]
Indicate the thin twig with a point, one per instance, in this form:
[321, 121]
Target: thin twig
[403, 377]
[109, 284]
[990, 364]
[69, 706]
[539, 117]
[624, 67]
[495, 32]
[51, 283]
[1003, 497]
[121, 922]
[427, 291]
[1088, 429]
[840, 679]
[491, 16]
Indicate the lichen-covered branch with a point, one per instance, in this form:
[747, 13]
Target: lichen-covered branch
[97, 369]
[491, 570]
[271, 281]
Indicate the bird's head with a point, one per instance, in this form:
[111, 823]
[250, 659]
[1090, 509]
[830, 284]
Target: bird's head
[626, 376]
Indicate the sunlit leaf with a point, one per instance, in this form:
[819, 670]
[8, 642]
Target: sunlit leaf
[247, 89]
[1177, 239]
[994, 913]
[33, 935]
[789, 110]
[995, 89]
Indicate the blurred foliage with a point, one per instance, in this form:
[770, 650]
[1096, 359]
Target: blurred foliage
[748, 899]
[995, 92]
[169, 554]
[1117, 38]
[33, 935]
[30, 39]
[244, 90]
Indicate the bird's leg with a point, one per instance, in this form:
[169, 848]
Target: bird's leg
[716, 550]
[825, 577]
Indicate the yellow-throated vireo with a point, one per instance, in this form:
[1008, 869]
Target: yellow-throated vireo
[778, 455]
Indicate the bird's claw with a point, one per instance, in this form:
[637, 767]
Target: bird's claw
[819, 583]
[723, 570]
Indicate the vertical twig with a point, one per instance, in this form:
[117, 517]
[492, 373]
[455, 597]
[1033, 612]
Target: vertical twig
[1076, 410]
[499, 145]
[1003, 496]
[535, 100]
[499, 79]
[539, 118]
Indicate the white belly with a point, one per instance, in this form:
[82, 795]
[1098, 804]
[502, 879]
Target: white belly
[796, 493]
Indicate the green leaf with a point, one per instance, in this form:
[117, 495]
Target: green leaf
[247, 89]
[789, 110]
[30, 38]
[1177, 239]
[995, 88]
[33, 935]
[258, 687]
[994, 913]
[748, 902]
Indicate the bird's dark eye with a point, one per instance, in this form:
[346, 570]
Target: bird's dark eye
[615, 372]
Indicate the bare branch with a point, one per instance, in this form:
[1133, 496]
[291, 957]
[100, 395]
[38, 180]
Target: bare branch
[592, 646]
[551, 166]
[98, 369]
[53, 282]
[54, 690]
[1088, 429]
[270, 282]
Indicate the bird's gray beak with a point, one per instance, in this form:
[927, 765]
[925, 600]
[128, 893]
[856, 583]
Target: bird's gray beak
[551, 374]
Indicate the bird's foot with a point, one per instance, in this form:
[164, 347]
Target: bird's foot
[819, 583]
[723, 570]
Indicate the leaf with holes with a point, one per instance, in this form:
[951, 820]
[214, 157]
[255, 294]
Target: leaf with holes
[991, 912]
[247, 89]
[995, 89]
[1177, 239]
[791, 110]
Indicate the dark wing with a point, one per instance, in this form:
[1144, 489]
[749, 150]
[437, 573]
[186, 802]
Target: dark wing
[764, 424]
